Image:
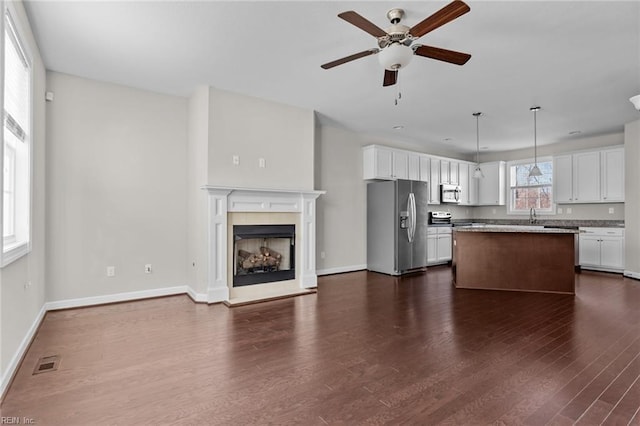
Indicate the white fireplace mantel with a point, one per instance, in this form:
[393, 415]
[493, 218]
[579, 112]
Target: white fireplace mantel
[223, 200]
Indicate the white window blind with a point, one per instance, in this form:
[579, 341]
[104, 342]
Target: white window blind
[17, 105]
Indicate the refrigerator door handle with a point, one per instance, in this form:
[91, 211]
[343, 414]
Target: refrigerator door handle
[412, 216]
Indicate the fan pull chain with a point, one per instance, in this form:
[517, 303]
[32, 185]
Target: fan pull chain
[399, 95]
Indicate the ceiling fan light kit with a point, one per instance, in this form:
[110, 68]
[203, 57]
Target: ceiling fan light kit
[395, 44]
[395, 56]
[635, 100]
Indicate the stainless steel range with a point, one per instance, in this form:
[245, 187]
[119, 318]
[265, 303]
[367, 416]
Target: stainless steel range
[439, 217]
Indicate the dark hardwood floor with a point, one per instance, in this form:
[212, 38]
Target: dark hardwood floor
[366, 349]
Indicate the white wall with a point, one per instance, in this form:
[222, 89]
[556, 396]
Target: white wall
[341, 213]
[253, 128]
[116, 179]
[632, 198]
[19, 306]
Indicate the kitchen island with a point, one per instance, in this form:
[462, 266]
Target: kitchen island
[516, 258]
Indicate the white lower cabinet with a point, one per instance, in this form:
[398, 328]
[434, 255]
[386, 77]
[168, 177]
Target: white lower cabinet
[602, 249]
[438, 245]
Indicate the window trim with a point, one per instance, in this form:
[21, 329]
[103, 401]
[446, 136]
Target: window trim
[510, 211]
[12, 251]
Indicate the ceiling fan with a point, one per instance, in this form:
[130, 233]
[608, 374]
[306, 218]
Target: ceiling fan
[395, 44]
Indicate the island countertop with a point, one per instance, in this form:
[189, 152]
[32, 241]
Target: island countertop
[515, 228]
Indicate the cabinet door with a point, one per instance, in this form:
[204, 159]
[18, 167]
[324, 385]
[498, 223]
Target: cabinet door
[563, 179]
[612, 252]
[589, 250]
[432, 248]
[612, 175]
[414, 167]
[491, 188]
[453, 173]
[586, 177]
[400, 165]
[444, 171]
[444, 247]
[377, 163]
[434, 183]
[425, 169]
[473, 186]
[463, 181]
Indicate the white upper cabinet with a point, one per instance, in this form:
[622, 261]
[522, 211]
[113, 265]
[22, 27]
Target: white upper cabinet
[380, 162]
[377, 162]
[449, 172]
[454, 170]
[563, 179]
[425, 168]
[491, 188]
[434, 182]
[586, 177]
[413, 162]
[612, 174]
[468, 185]
[589, 176]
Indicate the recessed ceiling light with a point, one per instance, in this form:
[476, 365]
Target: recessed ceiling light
[575, 132]
[398, 127]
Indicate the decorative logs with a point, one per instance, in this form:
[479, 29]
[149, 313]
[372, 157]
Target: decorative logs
[264, 260]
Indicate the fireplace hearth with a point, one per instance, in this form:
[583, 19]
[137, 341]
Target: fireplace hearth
[263, 254]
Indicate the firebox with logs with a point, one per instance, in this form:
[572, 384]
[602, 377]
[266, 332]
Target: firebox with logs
[263, 253]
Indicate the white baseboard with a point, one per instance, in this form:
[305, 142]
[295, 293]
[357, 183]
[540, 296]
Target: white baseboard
[341, 269]
[12, 368]
[118, 297]
[197, 297]
[632, 274]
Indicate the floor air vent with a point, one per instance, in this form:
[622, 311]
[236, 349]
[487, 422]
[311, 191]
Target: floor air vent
[46, 364]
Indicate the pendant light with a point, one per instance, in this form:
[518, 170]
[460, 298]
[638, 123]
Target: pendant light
[477, 173]
[535, 171]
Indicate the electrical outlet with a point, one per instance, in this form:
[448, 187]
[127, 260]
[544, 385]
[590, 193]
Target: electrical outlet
[147, 268]
[611, 210]
[569, 210]
[322, 255]
[111, 271]
[236, 160]
[559, 211]
[262, 163]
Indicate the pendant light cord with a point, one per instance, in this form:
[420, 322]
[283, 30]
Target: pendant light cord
[477, 139]
[535, 137]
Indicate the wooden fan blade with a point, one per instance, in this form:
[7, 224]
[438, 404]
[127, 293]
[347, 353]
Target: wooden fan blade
[390, 78]
[363, 23]
[349, 58]
[445, 55]
[447, 14]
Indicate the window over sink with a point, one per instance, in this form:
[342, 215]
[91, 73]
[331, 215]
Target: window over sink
[526, 192]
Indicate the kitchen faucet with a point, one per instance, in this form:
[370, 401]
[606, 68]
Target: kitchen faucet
[532, 216]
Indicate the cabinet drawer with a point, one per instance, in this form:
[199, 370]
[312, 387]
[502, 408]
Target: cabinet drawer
[605, 232]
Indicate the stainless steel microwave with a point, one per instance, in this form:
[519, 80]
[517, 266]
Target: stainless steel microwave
[449, 193]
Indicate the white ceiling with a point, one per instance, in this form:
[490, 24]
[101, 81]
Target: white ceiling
[578, 60]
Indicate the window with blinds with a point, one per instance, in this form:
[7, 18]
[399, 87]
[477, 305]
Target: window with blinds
[17, 105]
[526, 192]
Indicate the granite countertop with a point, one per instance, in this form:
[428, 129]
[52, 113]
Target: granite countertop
[515, 228]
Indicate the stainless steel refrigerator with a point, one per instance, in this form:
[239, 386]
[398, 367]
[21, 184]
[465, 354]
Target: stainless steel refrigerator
[397, 221]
